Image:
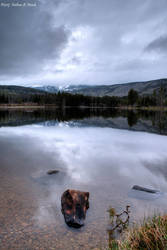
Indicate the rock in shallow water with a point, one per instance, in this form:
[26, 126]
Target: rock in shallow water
[74, 205]
[143, 193]
[139, 188]
[50, 172]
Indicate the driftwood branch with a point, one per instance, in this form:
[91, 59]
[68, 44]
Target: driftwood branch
[117, 222]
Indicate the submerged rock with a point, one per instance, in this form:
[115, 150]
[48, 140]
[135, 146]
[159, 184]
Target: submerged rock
[143, 193]
[50, 172]
[49, 178]
[139, 188]
[74, 205]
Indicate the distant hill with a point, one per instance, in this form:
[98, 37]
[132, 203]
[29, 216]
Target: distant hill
[143, 88]
[19, 90]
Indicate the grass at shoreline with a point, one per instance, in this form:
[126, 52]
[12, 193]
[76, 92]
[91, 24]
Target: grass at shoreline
[151, 235]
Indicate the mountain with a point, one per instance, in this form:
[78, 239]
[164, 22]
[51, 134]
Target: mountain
[19, 90]
[49, 89]
[143, 88]
[68, 88]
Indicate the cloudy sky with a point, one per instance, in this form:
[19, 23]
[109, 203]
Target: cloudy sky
[83, 41]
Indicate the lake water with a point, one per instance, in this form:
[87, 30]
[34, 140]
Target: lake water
[104, 152]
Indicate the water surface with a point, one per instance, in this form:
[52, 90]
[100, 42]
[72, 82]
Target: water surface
[104, 152]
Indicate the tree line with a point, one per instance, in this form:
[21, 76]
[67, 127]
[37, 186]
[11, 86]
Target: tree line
[62, 99]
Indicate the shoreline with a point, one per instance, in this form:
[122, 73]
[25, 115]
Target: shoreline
[151, 108]
[151, 234]
[17, 106]
[26, 106]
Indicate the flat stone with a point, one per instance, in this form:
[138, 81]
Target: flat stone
[139, 188]
[50, 172]
[142, 193]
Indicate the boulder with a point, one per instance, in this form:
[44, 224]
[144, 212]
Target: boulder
[74, 205]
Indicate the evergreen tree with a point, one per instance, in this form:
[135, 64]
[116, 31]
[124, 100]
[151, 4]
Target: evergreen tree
[132, 97]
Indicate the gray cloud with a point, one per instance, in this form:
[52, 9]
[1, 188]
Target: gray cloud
[28, 39]
[159, 45]
[83, 41]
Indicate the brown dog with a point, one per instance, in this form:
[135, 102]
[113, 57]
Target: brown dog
[74, 205]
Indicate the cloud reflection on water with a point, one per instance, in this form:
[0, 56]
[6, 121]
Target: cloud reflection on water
[105, 161]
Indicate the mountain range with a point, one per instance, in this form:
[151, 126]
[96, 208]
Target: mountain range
[143, 88]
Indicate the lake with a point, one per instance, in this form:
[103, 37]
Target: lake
[102, 151]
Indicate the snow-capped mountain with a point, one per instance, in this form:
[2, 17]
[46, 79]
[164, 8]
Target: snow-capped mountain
[143, 88]
[67, 88]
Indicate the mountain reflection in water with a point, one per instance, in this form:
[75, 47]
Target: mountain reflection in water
[138, 120]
